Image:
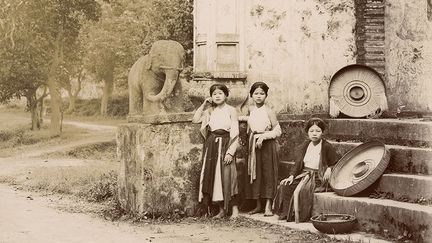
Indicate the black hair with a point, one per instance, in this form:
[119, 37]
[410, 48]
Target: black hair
[257, 85]
[222, 87]
[315, 121]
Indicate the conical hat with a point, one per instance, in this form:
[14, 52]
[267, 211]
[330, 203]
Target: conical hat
[359, 168]
[357, 91]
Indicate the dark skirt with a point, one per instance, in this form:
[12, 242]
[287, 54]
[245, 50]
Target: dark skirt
[265, 184]
[228, 172]
[284, 200]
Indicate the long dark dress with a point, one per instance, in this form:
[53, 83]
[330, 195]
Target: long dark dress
[284, 201]
[218, 181]
[262, 162]
[265, 184]
[215, 149]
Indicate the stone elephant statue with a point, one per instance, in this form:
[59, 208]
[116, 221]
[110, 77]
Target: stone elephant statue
[153, 77]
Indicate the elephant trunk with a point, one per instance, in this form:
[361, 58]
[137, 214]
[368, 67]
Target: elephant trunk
[171, 77]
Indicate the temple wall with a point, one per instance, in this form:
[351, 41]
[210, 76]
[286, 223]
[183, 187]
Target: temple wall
[296, 47]
[408, 35]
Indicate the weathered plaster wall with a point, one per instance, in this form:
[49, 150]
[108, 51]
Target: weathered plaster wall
[296, 48]
[408, 38]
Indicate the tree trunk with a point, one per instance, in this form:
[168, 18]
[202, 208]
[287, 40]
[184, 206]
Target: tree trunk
[32, 104]
[72, 102]
[35, 116]
[72, 99]
[73, 95]
[106, 95]
[55, 105]
[54, 91]
[42, 110]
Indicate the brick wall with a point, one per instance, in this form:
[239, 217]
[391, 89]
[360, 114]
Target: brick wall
[370, 34]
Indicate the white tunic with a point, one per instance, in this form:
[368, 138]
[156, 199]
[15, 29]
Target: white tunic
[220, 119]
[312, 156]
[259, 120]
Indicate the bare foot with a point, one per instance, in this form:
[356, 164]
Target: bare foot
[235, 212]
[221, 214]
[280, 217]
[268, 212]
[256, 210]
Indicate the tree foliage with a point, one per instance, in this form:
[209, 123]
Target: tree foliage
[37, 37]
[23, 56]
[127, 29]
[49, 42]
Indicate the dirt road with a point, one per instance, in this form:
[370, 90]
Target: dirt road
[25, 220]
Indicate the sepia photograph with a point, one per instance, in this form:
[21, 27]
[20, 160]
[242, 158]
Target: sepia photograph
[131, 121]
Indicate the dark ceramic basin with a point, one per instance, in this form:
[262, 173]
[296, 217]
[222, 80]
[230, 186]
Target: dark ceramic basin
[334, 223]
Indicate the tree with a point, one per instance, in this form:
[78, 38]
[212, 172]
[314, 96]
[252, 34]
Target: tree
[60, 24]
[22, 59]
[54, 25]
[72, 75]
[69, 76]
[111, 44]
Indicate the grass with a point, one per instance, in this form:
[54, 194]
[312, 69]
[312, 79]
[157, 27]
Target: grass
[105, 151]
[94, 183]
[21, 135]
[118, 108]
[20, 138]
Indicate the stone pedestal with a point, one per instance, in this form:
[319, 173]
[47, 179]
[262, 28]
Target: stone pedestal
[160, 164]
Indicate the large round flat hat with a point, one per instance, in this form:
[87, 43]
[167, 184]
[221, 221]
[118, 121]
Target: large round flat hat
[359, 168]
[357, 91]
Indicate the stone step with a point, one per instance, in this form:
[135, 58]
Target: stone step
[410, 139]
[407, 132]
[380, 215]
[402, 158]
[405, 187]
[356, 236]
[411, 188]
[284, 169]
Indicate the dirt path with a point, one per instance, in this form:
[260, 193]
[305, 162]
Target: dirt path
[33, 156]
[29, 218]
[24, 220]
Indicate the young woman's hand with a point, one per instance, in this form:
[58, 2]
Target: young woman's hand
[259, 142]
[228, 159]
[327, 174]
[208, 101]
[288, 180]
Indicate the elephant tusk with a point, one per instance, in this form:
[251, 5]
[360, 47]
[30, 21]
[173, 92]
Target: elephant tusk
[168, 67]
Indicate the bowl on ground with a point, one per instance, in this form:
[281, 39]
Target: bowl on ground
[334, 223]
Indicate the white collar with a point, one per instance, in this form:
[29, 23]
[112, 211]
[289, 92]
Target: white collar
[316, 146]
